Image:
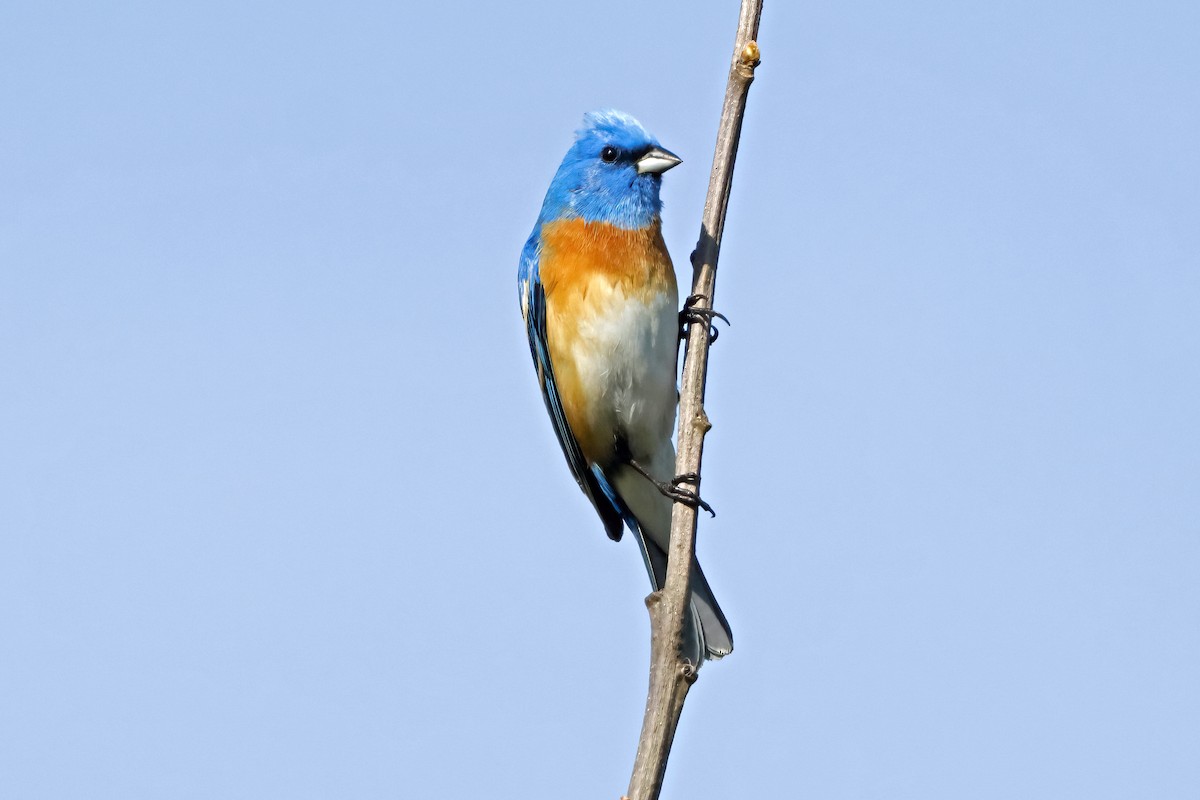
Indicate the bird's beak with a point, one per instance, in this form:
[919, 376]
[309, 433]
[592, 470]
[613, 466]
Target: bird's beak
[657, 161]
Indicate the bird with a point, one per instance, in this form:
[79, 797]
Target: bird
[600, 303]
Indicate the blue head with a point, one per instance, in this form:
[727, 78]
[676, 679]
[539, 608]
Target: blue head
[611, 174]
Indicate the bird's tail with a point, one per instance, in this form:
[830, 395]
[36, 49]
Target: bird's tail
[706, 633]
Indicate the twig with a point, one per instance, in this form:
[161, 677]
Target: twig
[670, 674]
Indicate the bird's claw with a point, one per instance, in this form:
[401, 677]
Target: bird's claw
[673, 488]
[704, 316]
[688, 497]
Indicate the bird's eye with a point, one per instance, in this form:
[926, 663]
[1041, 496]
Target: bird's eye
[609, 154]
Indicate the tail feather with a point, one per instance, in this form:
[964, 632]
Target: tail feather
[648, 514]
[706, 632]
[718, 638]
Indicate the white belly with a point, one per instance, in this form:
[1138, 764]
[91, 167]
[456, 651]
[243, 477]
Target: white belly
[625, 354]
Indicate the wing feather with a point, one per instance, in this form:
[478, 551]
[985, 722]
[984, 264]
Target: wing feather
[533, 307]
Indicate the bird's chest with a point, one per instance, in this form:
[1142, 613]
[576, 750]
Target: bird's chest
[612, 331]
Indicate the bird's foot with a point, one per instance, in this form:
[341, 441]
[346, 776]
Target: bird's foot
[674, 488]
[687, 496]
[705, 316]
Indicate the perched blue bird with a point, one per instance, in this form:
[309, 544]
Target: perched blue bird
[600, 303]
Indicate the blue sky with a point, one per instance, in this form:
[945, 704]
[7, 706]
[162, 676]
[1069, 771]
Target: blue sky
[281, 515]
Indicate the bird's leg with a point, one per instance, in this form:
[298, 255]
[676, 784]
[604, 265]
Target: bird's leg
[674, 489]
[705, 316]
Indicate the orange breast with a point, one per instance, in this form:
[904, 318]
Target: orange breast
[587, 268]
[575, 252]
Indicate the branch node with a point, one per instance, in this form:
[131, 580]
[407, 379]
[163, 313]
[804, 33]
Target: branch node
[747, 60]
[653, 601]
[751, 57]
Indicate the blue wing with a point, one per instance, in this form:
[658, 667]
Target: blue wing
[590, 478]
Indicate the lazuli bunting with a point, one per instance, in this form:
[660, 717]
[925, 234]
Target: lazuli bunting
[600, 303]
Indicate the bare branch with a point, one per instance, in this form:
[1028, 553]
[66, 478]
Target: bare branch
[670, 675]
